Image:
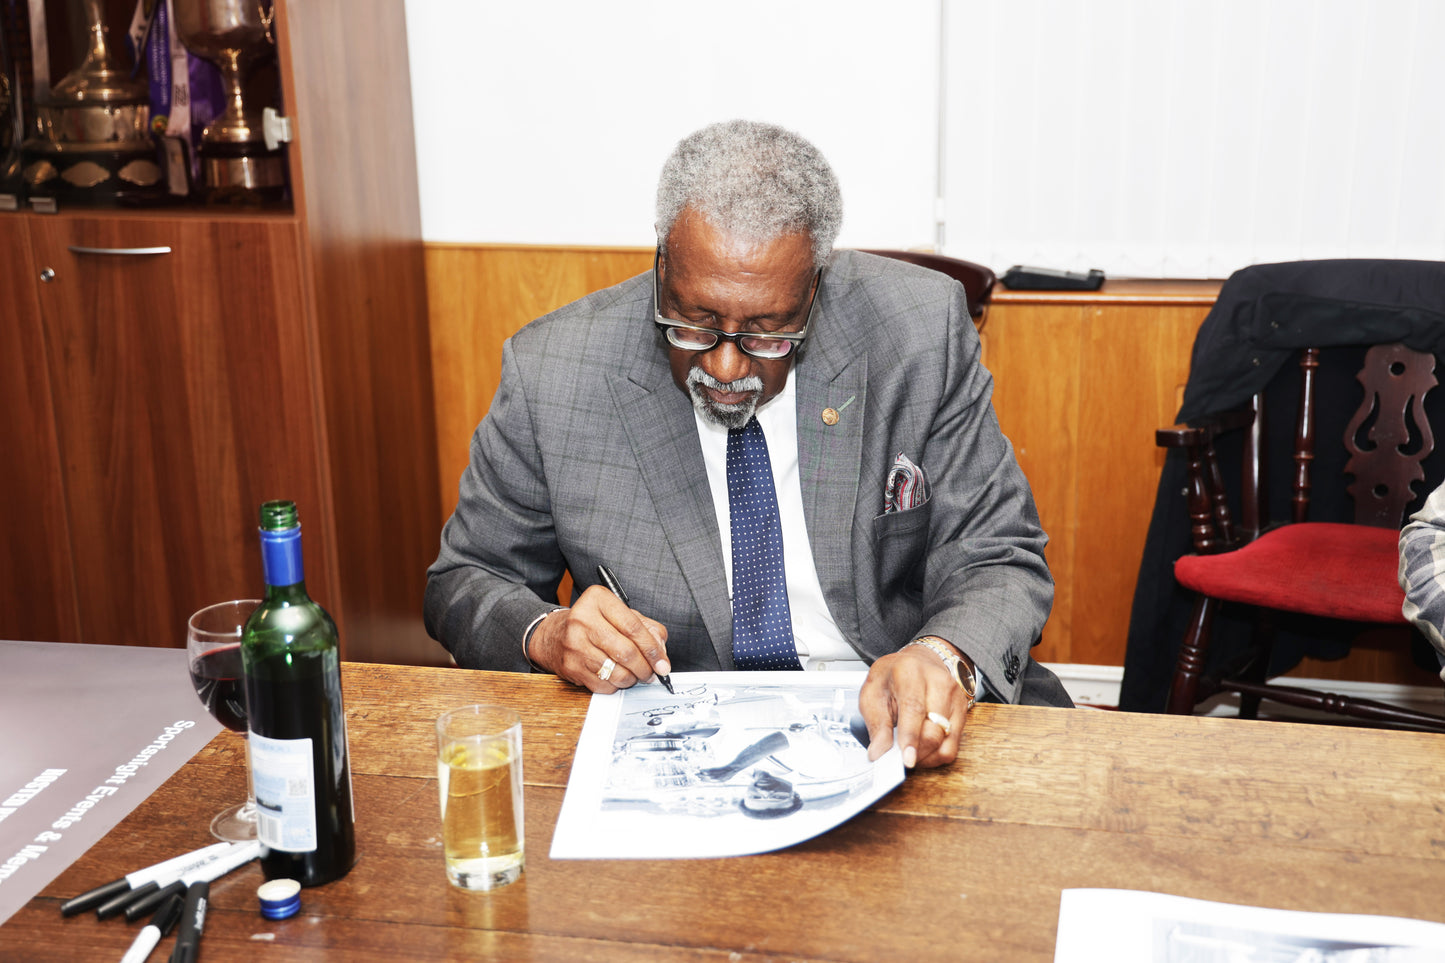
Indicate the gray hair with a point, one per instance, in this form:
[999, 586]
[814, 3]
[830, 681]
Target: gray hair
[755, 181]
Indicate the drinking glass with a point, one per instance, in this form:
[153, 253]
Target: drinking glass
[213, 645]
[479, 773]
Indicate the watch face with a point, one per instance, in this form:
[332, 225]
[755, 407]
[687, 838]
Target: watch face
[965, 678]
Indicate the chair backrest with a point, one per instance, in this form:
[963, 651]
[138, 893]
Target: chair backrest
[1386, 439]
[1390, 435]
[977, 280]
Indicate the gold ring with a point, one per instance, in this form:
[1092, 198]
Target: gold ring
[605, 672]
[940, 720]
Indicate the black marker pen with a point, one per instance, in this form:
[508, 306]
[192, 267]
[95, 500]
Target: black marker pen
[172, 867]
[149, 902]
[193, 923]
[615, 587]
[114, 905]
[156, 930]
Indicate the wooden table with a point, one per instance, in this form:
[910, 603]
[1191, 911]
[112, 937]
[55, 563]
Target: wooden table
[962, 863]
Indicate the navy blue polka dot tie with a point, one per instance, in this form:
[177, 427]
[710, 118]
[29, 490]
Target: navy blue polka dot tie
[762, 624]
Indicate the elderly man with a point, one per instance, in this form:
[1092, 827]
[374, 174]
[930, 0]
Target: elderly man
[786, 454]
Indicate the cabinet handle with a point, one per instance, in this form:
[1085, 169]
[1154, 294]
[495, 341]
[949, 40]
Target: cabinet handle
[47, 275]
[123, 251]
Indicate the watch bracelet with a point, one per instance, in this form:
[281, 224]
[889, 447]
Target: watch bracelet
[932, 643]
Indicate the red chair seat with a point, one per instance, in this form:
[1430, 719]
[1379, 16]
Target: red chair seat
[1350, 572]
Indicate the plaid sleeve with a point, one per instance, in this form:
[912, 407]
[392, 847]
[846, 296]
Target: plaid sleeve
[1422, 571]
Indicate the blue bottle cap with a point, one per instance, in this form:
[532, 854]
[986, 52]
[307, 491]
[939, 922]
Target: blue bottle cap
[280, 898]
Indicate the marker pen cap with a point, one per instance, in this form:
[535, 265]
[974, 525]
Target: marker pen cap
[280, 898]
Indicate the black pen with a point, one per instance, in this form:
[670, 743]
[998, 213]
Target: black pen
[156, 930]
[117, 904]
[615, 587]
[238, 855]
[214, 865]
[193, 923]
[147, 903]
[133, 881]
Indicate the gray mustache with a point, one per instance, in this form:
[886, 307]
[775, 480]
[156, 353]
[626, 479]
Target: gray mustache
[748, 383]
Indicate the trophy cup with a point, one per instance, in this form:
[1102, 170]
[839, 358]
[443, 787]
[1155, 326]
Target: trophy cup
[239, 164]
[91, 139]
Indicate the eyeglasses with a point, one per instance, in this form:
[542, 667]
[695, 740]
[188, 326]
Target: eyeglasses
[692, 337]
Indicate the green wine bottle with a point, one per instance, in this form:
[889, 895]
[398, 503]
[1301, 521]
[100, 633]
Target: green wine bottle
[300, 761]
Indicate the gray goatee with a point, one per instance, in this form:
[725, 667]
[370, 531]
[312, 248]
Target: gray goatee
[725, 416]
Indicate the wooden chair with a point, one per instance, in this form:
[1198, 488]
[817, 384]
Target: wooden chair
[1334, 570]
[977, 280]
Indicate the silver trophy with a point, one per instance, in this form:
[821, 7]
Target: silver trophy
[91, 139]
[237, 161]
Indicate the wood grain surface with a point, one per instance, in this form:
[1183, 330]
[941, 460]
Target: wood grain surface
[479, 295]
[354, 175]
[974, 855]
[182, 398]
[335, 280]
[1081, 381]
[1080, 389]
[41, 599]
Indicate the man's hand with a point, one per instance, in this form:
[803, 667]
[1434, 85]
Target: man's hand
[576, 643]
[902, 690]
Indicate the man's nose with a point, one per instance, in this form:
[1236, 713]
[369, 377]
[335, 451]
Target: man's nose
[726, 362]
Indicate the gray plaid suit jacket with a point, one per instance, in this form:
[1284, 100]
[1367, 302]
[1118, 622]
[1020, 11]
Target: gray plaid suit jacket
[589, 455]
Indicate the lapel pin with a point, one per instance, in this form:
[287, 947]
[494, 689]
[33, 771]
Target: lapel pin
[831, 415]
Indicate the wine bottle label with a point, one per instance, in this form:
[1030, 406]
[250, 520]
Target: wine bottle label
[281, 770]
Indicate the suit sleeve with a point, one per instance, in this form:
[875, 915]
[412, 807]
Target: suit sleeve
[499, 565]
[1422, 571]
[986, 586]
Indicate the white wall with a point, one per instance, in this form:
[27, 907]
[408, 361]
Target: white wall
[1146, 137]
[548, 122]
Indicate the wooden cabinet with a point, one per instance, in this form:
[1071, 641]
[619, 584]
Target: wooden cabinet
[35, 572]
[152, 401]
[182, 399]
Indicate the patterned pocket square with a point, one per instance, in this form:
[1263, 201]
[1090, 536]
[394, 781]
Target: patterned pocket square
[907, 486]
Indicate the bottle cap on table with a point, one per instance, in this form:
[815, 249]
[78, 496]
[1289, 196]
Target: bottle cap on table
[280, 898]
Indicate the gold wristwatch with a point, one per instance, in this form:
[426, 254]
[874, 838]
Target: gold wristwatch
[961, 667]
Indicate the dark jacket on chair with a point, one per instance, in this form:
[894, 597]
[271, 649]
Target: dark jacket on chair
[1264, 314]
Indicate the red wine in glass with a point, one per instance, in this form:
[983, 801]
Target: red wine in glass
[221, 685]
[213, 643]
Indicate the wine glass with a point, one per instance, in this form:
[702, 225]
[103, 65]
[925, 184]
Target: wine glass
[213, 646]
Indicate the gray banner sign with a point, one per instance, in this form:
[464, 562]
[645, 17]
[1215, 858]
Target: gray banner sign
[86, 733]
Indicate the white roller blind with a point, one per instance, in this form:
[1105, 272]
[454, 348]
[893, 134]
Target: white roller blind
[1188, 139]
[548, 121]
[1180, 138]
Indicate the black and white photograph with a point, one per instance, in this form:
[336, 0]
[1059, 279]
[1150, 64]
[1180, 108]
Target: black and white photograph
[1177, 941]
[1133, 926]
[720, 767]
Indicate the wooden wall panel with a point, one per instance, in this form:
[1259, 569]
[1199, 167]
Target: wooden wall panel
[1134, 365]
[480, 294]
[1082, 380]
[1034, 357]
